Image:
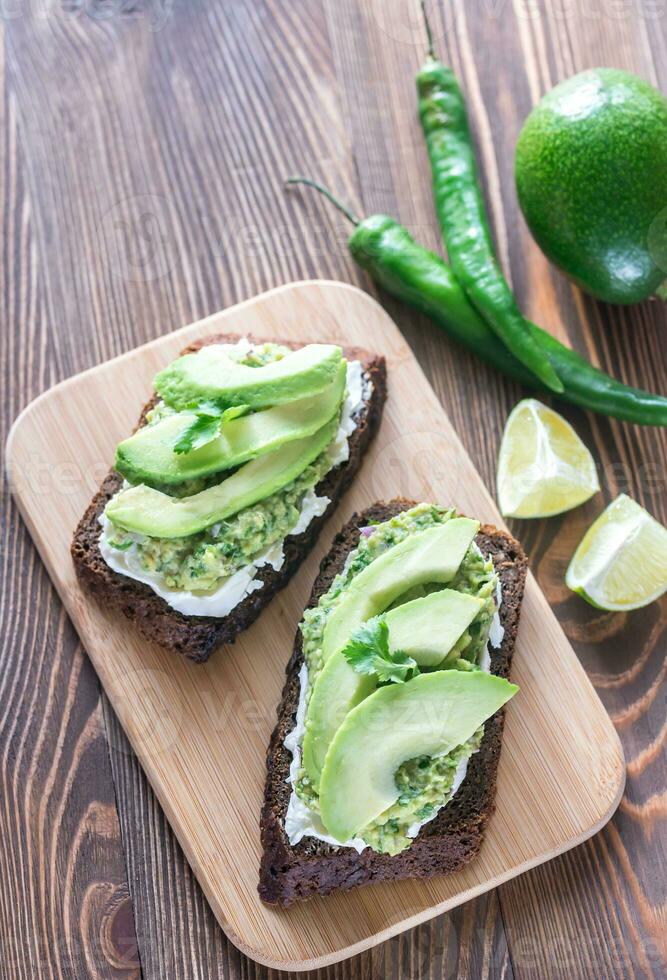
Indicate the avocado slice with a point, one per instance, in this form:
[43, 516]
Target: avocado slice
[211, 375]
[427, 629]
[428, 556]
[148, 456]
[429, 715]
[433, 555]
[147, 511]
[338, 689]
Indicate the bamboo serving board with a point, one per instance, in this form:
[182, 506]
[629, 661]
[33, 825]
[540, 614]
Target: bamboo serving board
[201, 732]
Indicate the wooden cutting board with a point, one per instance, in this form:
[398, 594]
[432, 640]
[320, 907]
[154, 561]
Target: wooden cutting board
[201, 731]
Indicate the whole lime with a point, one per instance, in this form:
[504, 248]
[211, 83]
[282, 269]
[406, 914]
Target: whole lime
[591, 175]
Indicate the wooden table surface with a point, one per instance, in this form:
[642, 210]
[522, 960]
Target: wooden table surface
[144, 145]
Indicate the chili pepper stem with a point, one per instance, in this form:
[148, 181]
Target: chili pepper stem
[429, 31]
[327, 193]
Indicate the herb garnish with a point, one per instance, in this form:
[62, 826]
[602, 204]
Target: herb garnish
[367, 651]
[207, 424]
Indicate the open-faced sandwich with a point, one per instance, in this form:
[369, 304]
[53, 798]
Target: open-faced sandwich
[383, 762]
[219, 494]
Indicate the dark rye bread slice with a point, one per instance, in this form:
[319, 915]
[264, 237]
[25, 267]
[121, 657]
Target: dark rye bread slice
[196, 637]
[289, 874]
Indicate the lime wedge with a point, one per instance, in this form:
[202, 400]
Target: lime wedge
[543, 466]
[621, 563]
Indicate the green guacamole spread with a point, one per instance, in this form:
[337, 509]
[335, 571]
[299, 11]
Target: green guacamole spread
[425, 784]
[200, 562]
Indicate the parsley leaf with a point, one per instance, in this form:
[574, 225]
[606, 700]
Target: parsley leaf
[203, 430]
[204, 408]
[367, 651]
[207, 424]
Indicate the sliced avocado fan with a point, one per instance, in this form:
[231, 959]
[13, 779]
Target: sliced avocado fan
[149, 457]
[145, 510]
[433, 555]
[430, 715]
[426, 557]
[211, 375]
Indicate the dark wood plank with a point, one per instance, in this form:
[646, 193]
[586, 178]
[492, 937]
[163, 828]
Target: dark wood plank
[606, 896]
[153, 151]
[65, 909]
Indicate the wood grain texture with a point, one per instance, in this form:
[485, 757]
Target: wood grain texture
[201, 731]
[167, 127]
[65, 908]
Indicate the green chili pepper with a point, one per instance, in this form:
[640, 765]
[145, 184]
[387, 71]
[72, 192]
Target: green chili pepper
[462, 216]
[420, 278]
